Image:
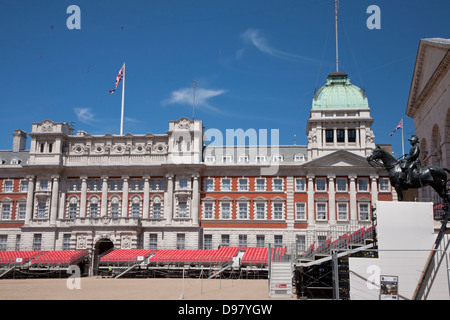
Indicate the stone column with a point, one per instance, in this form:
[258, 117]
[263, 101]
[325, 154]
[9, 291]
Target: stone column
[145, 207]
[195, 200]
[332, 198]
[83, 197]
[374, 189]
[30, 198]
[54, 203]
[168, 199]
[125, 197]
[353, 210]
[104, 201]
[62, 199]
[311, 204]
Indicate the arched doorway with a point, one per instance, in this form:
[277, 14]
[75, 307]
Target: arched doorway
[101, 247]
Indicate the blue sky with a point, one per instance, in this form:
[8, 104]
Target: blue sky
[256, 63]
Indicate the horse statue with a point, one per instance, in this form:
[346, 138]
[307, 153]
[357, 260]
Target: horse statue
[433, 176]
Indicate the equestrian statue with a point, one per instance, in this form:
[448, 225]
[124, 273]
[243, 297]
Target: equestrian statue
[408, 173]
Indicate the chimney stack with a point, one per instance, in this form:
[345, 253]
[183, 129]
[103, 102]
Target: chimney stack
[19, 140]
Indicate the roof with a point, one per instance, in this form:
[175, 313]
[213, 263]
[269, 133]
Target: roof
[339, 93]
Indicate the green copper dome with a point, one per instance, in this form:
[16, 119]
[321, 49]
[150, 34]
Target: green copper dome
[339, 93]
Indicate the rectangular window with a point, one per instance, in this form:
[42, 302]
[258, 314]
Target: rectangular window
[18, 240]
[243, 184]
[226, 184]
[210, 159]
[277, 184]
[208, 214]
[114, 210]
[301, 242]
[225, 240]
[226, 159]
[6, 211]
[242, 240]
[341, 185]
[260, 211]
[153, 241]
[93, 210]
[364, 211]
[181, 241]
[226, 210]
[24, 185]
[300, 211]
[278, 211]
[363, 185]
[321, 184]
[183, 183]
[300, 184]
[242, 210]
[207, 242]
[22, 211]
[72, 210]
[342, 211]
[3, 242]
[135, 210]
[351, 135]
[209, 184]
[340, 135]
[260, 184]
[321, 211]
[278, 241]
[260, 159]
[156, 210]
[66, 242]
[329, 135]
[42, 208]
[182, 209]
[260, 240]
[8, 186]
[384, 185]
[243, 159]
[37, 241]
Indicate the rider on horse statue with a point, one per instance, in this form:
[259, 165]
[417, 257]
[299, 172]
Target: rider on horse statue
[412, 160]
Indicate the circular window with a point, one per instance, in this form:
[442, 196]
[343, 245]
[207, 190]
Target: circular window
[78, 149]
[119, 149]
[139, 148]
[99, 149]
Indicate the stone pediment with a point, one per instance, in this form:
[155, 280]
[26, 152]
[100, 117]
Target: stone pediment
[340, 158]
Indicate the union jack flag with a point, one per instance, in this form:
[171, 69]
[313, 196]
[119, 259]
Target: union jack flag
[400, 125]
[118, 79]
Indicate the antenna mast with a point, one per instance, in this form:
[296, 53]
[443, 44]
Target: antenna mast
[336, 25]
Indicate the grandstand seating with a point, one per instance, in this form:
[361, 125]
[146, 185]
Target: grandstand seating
[125, 255]
[10, 257]
[259, 255]
[177, 256]
[61, 257]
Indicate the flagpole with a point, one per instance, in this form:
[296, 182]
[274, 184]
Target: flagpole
[123, 99]
[403, 141]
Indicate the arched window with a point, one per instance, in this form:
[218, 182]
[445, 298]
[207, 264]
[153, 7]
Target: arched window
[93, 207]
[72, 207]
[114, 207]
[135, 207]
[157, 207]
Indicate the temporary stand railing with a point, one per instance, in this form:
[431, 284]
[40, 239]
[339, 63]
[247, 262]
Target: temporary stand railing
[431, 267]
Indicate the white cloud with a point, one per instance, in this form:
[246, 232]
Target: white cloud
[184, 96]
[84, 115]
[256, 38]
